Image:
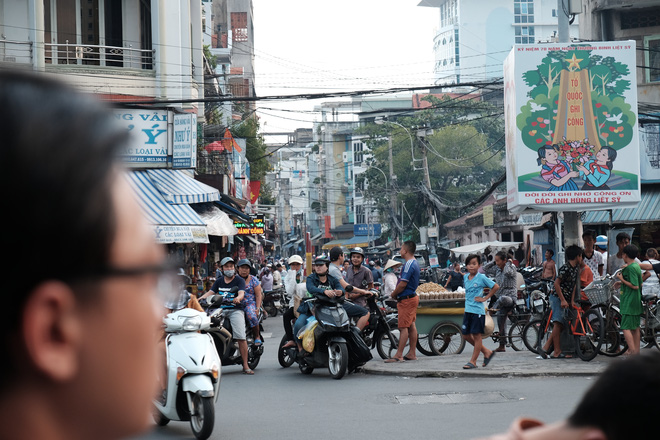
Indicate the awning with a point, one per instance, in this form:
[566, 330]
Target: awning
[252, 240]
[173, 223]
[231, 210]
[217, 221]
[176, 187]
[357, 241]
[333, 243]
[480, 247]
[648, 210]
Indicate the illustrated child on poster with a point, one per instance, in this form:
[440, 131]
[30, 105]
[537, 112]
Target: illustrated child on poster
[555, 171]
[596, 172]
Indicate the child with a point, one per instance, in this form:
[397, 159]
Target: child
[596, 172]
[549, 266]
[474, 318]
[631, 298]
[556, 171]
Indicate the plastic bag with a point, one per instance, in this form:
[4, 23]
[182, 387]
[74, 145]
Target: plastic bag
[308, 337]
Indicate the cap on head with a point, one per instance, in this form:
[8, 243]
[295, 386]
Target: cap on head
[226, 260]
[295, 259]
[243, 262]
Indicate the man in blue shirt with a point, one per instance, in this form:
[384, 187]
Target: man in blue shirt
[407, 300]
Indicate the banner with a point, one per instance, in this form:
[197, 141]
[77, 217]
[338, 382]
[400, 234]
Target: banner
[572, 142]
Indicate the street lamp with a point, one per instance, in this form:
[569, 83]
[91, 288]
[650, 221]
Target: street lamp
[384, 175]
[381, 121]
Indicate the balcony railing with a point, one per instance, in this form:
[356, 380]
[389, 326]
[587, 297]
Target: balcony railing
[96, 55]
[15, 51]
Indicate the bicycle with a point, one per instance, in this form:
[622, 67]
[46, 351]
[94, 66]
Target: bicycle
[586, 327]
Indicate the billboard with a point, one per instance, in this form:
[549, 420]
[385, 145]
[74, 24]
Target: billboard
[572, 142]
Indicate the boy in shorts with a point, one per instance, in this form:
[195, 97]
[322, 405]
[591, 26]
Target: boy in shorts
[631, 298]
[474, 318]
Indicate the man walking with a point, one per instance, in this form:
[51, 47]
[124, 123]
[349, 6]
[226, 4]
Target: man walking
[407, 300]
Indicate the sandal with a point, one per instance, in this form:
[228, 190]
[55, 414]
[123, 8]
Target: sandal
[469, 366]
[487, 359]
[393, 360]
[561, 356]
[248, 371]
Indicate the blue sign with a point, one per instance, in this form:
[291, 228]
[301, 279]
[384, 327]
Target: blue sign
[372, 230]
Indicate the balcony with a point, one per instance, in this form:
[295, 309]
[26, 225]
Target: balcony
[19, 52]
[102, 56]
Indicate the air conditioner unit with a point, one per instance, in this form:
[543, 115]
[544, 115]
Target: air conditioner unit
[347, 156]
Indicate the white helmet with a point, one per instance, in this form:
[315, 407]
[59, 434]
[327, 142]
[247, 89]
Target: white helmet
[295, 259]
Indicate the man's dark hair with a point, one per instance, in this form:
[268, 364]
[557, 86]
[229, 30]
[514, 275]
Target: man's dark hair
[589, 233]
[631, 250]
[410, 246]
[58, 163]
[552, 253]
[622, 236]
[572, 252]
[501, 255]
[619, 396]
[335, 253]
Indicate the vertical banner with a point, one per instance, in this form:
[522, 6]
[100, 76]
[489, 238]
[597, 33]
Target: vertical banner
[571, 127]
[255, 187]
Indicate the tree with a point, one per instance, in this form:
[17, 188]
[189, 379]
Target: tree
[256, 148]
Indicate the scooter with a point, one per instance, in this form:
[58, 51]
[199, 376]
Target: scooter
[378, 332]
[220, 331]
[272, 301]
[193, 373]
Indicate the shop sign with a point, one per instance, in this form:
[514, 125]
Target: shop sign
[181, 234]
[184, 141]
[367, 229]
[254, 227]
[148, 129]
[572, 142]
[433, 260]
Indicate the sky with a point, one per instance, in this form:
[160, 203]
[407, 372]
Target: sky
[312, 46]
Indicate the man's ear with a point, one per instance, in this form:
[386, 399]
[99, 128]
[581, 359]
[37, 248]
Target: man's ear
[51, 330]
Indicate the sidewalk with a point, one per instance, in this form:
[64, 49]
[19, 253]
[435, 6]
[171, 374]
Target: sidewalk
[508, 364]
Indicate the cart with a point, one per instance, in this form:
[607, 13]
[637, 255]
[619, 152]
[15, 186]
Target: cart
[440, 320]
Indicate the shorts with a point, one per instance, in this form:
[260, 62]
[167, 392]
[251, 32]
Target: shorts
[558, 313]
[354, 311]
[630, 322]
[473, 324]
[237, 319]
[407, 311]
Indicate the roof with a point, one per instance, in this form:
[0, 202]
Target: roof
[461, 220]
[648, 210]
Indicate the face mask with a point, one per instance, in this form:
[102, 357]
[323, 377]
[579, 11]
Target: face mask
[229, 273]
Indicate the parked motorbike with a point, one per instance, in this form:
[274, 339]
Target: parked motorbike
[221, 332]
[273, 300]
[193, 373]
[332, 336]
[378, 332]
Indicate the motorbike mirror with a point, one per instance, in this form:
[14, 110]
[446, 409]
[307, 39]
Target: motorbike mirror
[349, 288]
[233, 289]
[214, 298]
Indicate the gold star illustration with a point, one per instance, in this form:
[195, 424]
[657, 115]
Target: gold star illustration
[574, 63]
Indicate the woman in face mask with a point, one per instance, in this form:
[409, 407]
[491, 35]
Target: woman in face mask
[253, 298]
[390, 277]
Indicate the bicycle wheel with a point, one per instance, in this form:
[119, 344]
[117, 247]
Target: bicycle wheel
[446, 338]
[587, 345]
[535, 334]
[515, 335]
[423, 345]
[613, 342]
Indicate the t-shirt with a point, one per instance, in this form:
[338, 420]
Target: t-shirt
[631, 299]
[360, 279]
[474, 288]
[652, 284]
[456, 280]
[410, 273]
[586, 278]
[593, 262]
[222, 288]
[568, 276]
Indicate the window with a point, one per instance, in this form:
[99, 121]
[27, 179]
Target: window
[358, 153]
[640, 18]
[239, 26]
[652, 58]
[523, 11]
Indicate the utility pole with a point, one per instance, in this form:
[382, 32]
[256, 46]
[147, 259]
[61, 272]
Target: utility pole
[391, 186]
[422, 133]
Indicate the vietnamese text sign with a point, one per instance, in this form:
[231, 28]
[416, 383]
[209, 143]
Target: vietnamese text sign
[571, 126]
[184, 141]
[256, 226]
[370, 229]
[148, 128]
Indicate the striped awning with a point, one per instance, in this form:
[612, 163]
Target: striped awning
[176, 187]
[173, 223]
[648, 210]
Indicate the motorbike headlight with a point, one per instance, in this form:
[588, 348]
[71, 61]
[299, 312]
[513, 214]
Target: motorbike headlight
[180, 372]
[215, 371]
[191, 323]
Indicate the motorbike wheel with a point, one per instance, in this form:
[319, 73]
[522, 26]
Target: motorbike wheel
[271, 310]
[305, 369]
[202, 416]
[385, 347]
[423, 345]
[337, 359]
[284, 354]
[253, 359]
[446, 338]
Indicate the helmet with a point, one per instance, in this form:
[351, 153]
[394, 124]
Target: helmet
[226, 260]
[357, 250]
[322, 260]
[371, 263]
[243, 262]
[295, 259]
[601, 241]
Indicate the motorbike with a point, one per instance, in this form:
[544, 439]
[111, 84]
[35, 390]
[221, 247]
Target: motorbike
[272, 302]
[332, 336]
[378, 332]
[220, 331]
[193, 373]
